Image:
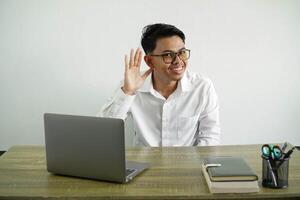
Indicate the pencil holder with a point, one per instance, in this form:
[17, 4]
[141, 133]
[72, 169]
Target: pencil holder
[275, 173]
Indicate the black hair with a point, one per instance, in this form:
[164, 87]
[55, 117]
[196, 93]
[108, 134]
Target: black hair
[153, 32]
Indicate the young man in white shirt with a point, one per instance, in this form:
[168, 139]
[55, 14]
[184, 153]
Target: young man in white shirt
[169, 105]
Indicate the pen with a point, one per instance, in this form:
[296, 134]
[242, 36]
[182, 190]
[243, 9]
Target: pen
[288, 154]
[284, 147]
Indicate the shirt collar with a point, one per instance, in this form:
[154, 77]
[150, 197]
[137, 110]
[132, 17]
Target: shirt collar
[184, 83]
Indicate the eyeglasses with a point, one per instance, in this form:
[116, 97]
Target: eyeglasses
[170, 57]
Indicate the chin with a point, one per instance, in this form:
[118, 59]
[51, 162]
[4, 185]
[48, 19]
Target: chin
[176, 76]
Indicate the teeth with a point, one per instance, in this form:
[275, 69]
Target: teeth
[176, 69]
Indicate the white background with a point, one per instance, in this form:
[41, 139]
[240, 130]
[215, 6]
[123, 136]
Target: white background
[66, 56]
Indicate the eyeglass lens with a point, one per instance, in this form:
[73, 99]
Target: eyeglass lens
[170, 57]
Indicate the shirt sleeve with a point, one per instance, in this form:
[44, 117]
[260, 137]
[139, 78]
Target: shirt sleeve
[209, 122]
[118, 105]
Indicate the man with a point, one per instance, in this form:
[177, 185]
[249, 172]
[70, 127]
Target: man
[170, 106]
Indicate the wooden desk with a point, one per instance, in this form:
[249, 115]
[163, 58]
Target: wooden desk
[175, 173]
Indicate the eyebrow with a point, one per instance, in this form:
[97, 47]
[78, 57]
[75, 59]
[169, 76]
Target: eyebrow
[167, 51]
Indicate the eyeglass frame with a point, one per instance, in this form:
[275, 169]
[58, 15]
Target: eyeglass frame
[172, 53]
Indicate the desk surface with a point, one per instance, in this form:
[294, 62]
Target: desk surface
[175, 173]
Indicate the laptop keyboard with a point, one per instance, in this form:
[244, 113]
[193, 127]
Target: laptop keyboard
[130, 171]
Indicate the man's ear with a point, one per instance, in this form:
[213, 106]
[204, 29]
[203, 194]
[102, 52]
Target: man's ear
[148, 61]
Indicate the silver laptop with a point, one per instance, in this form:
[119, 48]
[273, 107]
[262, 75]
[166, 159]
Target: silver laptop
[88, 147]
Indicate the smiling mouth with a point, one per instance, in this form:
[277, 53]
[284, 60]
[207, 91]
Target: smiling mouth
[176, 69]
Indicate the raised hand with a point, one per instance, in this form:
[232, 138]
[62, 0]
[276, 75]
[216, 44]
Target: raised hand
[133, 79]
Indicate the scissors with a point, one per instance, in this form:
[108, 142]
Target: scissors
[271, 152]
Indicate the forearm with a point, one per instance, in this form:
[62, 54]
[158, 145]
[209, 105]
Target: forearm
[117, 106]
[210, 137]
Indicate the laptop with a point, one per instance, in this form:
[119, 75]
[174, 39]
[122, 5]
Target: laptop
[88, 147]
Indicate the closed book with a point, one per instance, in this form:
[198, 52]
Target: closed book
[230, 169]
[227, 185]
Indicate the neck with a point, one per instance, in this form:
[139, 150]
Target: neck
[165, 88]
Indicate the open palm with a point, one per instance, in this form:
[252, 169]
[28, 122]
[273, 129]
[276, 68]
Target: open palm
[133, 79]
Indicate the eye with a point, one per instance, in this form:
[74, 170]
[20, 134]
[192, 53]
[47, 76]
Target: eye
[182, 52]
[167, 55]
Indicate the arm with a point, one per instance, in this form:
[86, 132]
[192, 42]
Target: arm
[119, 105]
[209, 128]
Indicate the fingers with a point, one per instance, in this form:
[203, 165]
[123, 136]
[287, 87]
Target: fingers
[136, 55]
[126, 63]
[144, 76]
[131, 61]
[139, 61]
[135, 59]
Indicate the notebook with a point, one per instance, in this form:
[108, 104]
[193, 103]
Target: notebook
[229, 175]
[231, 169]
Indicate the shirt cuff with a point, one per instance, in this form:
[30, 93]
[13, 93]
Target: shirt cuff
[123, 101]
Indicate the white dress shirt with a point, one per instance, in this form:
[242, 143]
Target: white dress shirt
[189, 117]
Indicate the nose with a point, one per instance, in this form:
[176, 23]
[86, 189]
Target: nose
[176, 59]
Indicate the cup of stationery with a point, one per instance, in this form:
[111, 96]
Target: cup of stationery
[275, 166]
